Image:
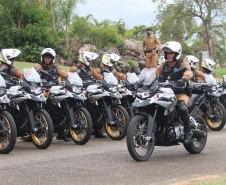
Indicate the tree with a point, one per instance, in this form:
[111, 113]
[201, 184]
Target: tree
[210, 12]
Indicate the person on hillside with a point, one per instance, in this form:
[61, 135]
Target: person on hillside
[172, 52]
[87, 74]
[48, 57]
[108, 61]
[150, 47]
[7, 58]
[198, 76]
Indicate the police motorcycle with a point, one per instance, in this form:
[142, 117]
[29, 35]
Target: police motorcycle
[157, 122]
[65, 103]
[27, 107]
[8, 132]
[222, 91]
[127, 91]
[103, 103]
[206, 97]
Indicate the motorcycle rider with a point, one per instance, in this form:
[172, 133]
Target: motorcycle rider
[48, 57]
[198, 76]
[87, 73]
[108, 61]
[7, 58]
[172, 52]
[207, 66]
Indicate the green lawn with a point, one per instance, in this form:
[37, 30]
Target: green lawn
[221, 180]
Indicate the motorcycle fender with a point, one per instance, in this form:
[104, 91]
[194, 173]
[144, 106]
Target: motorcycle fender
[141, 103]
[79, 97]
[38, 99]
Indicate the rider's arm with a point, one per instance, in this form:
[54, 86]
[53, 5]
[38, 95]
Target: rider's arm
[61, 73]
[120, 76]
[199, 75]
[96, 73]
[188, 73]
[18, 73]
[158, 71]
[73, 69]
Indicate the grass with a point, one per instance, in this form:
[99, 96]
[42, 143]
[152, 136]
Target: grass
[219, 180]
[21, 65]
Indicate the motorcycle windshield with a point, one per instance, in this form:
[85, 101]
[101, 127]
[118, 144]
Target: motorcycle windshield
[110, 78]
[2, 81]
[147, 76]
[32, 75]
[210, 79]
[74, 79]
[132, 78]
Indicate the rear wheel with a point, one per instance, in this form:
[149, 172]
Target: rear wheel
[139, 148]
[217, 120]
[83, 132]
[8, 132]
[198, 140]
[43, 122]
[118, 128]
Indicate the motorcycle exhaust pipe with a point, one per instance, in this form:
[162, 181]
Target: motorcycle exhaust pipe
[198, 133]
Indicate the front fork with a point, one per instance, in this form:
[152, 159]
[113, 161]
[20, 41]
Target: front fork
[31, 118]
[130, 107]
[71, 117]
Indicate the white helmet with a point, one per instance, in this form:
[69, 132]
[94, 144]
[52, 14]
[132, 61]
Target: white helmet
[85, 57]
[48, 52]
[161, 60]
[208, 65]
[192, 60]
[172, 46]
[110, 59]
[7, 54]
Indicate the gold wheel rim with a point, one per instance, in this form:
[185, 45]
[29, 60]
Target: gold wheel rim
[40, 140]
[116, 132]
[5, 143]
[78, 135]
[214, 124]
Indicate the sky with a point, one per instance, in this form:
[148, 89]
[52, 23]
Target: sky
[134, 12]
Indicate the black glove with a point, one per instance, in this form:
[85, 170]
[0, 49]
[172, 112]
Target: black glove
[179, 83]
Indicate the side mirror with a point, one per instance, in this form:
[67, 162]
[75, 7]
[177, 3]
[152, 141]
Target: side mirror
[37, 69]
[2, 68]
[137, 71]
[44, 72]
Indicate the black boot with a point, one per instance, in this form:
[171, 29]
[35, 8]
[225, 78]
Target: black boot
[187, 134]
[62, 136]
[99, 134]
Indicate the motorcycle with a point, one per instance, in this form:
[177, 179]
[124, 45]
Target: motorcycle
[157, 122]
[65, 104]
[8, 132]
[103, 103]
[26, 106]
[127, 91]
[206, 95]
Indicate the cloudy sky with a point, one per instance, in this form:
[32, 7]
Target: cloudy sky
[134, 12]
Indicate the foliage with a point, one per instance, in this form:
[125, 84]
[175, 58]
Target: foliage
[132, 64]
[121, 27]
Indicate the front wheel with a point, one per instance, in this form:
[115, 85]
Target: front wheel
[8, 132]
[198, 140]
[44, 136]
[83, 132]
[139, 148]
[217, 120]
[118, 128]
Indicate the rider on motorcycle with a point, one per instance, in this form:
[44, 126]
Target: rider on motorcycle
[48, 57]
[108, 61]
[7, 58]
[208, 66]
[198, 76]
[88, 73]
[172, 52]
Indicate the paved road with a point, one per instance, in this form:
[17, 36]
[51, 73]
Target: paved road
[103, 161]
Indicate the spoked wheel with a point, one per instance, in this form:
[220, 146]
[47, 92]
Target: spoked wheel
[118, 128]
[199, 137]
[8, 132]
[139, 148]
[218, 119]
[43, 137]
[83, 132]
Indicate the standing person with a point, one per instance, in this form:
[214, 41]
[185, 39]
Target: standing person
[172, 51]
[48, 57]
[150, 47]
[7, 58]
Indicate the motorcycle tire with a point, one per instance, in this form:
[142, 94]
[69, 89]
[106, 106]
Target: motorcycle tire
[139, 149]
[198, 142]
[118, 130]
[83, 132]
[44, 136]
[221, 113]
[8, 132]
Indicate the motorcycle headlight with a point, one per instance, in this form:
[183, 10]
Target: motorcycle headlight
[214, 88]
[113, 89]
[143, 95]
[2, 91]
[77, 89]
[36, 90]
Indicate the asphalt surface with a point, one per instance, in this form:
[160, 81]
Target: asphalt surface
[104, 161]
